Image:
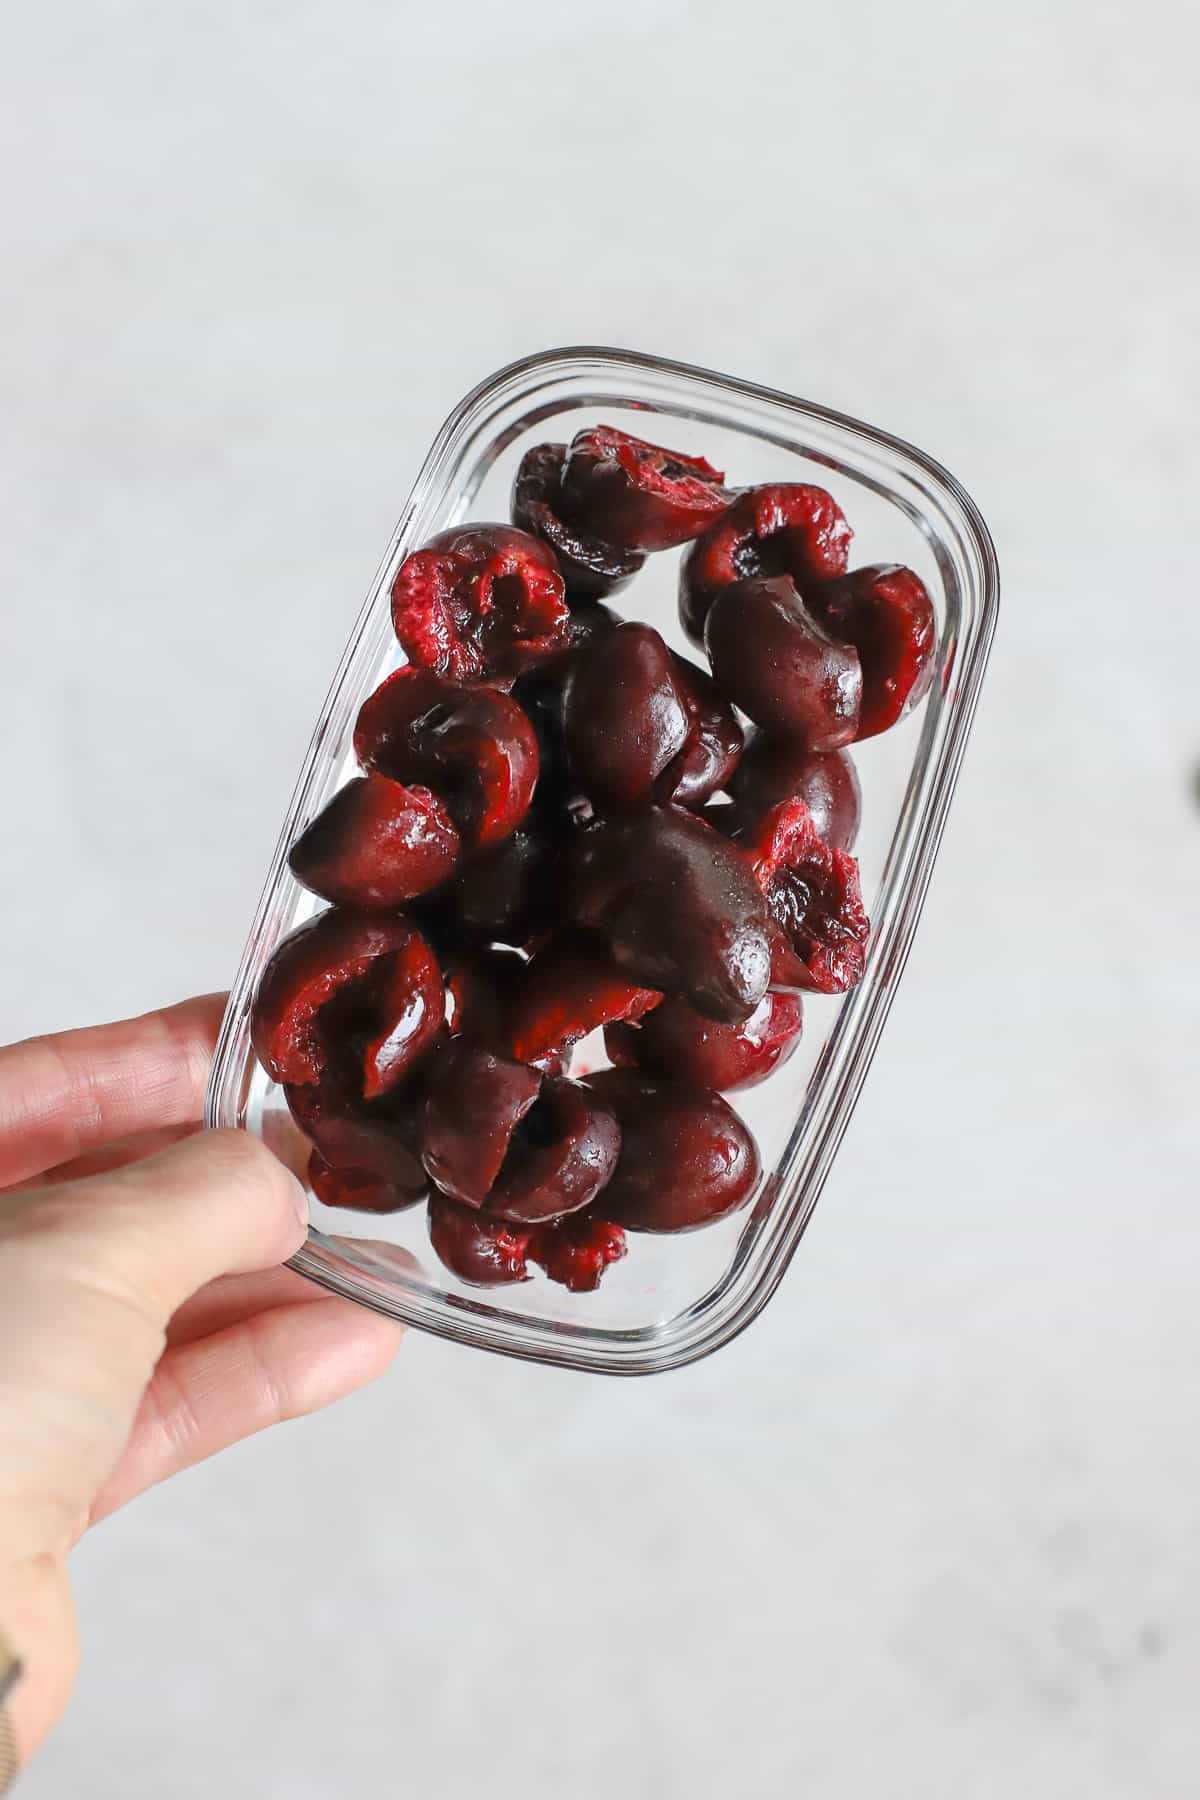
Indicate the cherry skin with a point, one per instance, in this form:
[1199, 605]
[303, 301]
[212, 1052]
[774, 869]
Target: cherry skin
[358, 1190]
[679, 907]
[377, 844]
[625, 717]
[561, 1156]
[686, 1158]
[375, 1140]
[590, 567]
[473, 747]
[480, 1250]
[479, 602]
[678, 1043]
[775, 769]
[509, 895]
[714, 742]
[782, 528]
[773, 659]
[886, 613]
[637, 495]
[484, 982]
[498, 1135]
[353, 994]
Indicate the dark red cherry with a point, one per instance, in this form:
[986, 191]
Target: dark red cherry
[483, 983]
[479, 601]
[775, 769]
[377, 843]
[472, 746]
[575, 1251]
[358, 1190]
[679, 1044]
[561, 1156]
[772, 658]
[475, 1102]
[357, 995]
[625, 716]
[686, 1158]
[510, 894]
[713, 745]
[377, 1140]
[570, 988]
[540, 693]
[814, 896]
[679, 907]
[590, 567]
[638, 495]
[512, 1140]
[480, 1250]
[787, 528]
[886, 613]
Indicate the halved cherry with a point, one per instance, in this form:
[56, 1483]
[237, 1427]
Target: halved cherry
[473, 747]
[679, 907]
[775, 769]
[575, 1251]
[483, 982]
[479, 601]
[641, 723]
[570, 988]
[625, 717]
[512, 1140]
[356, 994]
[561, 1155]
[483, 1251]
[773, 658]
[686, 1157]
[814, 897]
[886, 613]
[638, 495]
[713, 745]
[475, 1103]
[782, 528]
[540, 693]
[510, 894]
[377, 1139]
[590, 567]
[358, 1190]
[377, 843]
[678, 1043]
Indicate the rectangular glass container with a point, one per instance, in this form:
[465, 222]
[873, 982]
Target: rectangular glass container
[673, 1298]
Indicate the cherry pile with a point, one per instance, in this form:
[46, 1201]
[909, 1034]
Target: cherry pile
[562, 827]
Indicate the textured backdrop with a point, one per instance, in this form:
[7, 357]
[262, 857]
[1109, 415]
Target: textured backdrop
[929, 1527]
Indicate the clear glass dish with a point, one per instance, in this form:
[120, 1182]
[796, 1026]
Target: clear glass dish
[672, 1299]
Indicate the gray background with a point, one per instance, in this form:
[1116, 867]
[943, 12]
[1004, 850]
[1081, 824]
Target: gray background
[931, 1526]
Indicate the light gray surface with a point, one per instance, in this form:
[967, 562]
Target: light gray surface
[931, 1526]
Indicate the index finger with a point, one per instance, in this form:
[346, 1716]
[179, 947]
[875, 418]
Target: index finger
[64, 1094]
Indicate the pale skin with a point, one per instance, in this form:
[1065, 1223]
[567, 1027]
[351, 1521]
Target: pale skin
[145, 1322]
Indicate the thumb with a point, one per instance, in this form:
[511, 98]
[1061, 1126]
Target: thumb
[218, 1203]
[91, 1272]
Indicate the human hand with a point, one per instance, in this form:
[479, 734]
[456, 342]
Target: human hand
[144, 1320]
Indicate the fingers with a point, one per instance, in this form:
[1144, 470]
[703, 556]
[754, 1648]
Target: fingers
[156, 1231]
[236, 1297]
[106, 1157]
[214, 1391]
[62, 1095]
